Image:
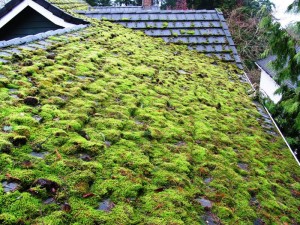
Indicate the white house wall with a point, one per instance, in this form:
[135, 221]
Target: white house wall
[49, 15]
[268, 87]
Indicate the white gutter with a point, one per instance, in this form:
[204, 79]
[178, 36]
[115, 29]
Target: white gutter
[287, 144]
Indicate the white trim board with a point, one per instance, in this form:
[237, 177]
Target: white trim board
[49, 15]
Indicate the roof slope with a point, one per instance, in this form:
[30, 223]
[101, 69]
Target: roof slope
[203, 30]
[109, 126]
[71, 4]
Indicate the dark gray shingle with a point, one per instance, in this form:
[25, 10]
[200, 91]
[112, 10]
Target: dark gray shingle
[203, 30]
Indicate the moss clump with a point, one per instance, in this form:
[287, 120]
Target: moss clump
[190, 32]
[174, 34]
[183, 32]
[165, 25]
[143, 126]
[5, 146]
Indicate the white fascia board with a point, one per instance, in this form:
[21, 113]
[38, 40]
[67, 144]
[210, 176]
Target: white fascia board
[49, 15]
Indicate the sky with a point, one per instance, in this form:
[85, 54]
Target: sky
[280, 12]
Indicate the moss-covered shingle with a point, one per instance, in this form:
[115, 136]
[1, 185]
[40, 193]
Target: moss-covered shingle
[136, 131]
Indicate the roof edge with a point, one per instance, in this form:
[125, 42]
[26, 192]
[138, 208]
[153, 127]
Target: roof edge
[40, 36]
[48, 6]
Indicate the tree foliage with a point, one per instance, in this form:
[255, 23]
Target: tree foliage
[295, 6]
[181, 5]
[249, 39]
[287, 65]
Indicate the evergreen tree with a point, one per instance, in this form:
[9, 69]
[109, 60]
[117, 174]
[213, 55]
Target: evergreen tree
[287, 65]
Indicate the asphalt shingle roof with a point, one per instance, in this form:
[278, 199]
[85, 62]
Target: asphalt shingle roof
[93, 132]
[203, 30]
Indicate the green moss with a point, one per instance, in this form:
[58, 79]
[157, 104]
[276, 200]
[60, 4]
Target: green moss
[174, 34]
[165, 25]
[183, 32]
[190, 32]
[119, 120]
[5, 146]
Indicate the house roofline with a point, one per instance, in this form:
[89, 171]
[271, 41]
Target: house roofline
[46, 5]
[263, 70]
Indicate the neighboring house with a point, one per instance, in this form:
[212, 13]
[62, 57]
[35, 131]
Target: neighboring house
[268, 85]
[100, 124]
[20, 18]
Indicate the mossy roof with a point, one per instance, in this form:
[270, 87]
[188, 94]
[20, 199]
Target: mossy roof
[109, 126]
[69, 5]
[203, 30]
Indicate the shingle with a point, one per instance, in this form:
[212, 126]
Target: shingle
[227, 33]
[209, 48]
[134, 17]
[115, 16]
[144, 17]
[166, 39]
[181, 17]
[153, 16]
[224, 25]
[237, 58]
[202, 27]
[198, 24]
[214, 17]
[187, 24]
[110, 16]
[233, 49]
[140, 25]
[123, 23]
[163, 16]
[218, 48]
[165, 32]
[150, 24]
[210, 32]
[208, 17]
[172, 17]
[196, 31]
[230, 41]
[182, 39]
[127, 15]
[131, 25]
[190, 16]
[199, 16]
[202, 40]
[200, 48]
[193, 40]
[228, 57]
